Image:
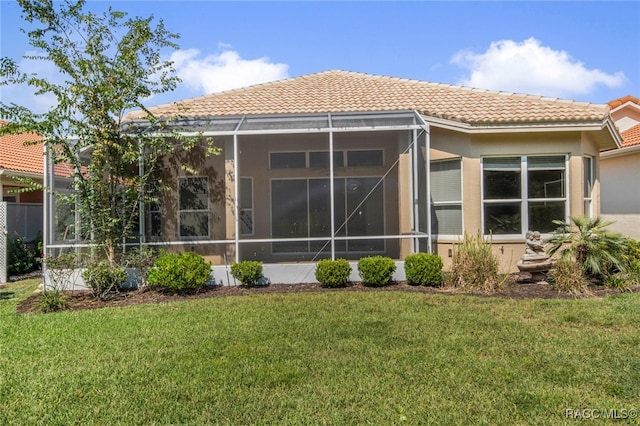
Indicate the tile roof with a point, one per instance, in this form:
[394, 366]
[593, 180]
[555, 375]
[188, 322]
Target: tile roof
[343, 91]
[19, 154]
[631, 136]
[623, 100]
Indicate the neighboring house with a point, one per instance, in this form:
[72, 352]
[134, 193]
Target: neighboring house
[414, 165]
[21, 159]
[620, 170]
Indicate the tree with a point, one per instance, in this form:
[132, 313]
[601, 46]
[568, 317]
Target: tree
[109, 64]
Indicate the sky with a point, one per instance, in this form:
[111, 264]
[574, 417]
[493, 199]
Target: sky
[587, 51]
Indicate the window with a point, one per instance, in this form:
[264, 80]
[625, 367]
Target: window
[446, 197]
[523, 193]
[588, 186]
[288, 160]
[193, 206]
[246, 206]
[301, 208]
[320, 159]
[365, 158]
[153, 221]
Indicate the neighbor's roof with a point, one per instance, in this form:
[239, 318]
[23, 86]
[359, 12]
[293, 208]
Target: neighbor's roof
[23, 153]
[623, 100]
[343, 91]
[631, 136]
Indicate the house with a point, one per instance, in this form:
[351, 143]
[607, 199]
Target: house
[20, 159]
[345, 164]
[620, 170]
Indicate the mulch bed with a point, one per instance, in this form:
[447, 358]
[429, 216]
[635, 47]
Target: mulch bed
[512, 289]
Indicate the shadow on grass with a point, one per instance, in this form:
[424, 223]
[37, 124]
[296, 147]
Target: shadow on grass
[7, 295]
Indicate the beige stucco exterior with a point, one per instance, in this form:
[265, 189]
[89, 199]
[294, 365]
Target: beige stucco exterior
[254, 153]
[620, 171]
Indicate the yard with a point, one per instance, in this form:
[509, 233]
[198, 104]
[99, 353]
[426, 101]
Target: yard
[332, 357]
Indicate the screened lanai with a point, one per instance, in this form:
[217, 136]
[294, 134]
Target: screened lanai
[292, 188]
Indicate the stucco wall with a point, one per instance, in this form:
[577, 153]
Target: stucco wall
[621, 193]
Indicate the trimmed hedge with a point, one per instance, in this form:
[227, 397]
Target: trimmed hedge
[179, 272]
[248, 272]
[333, 273]
[423, 269]
[376, 270]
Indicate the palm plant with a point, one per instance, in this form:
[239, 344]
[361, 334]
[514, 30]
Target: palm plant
[597, 250]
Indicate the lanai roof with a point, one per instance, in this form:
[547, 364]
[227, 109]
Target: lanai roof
[343, 91]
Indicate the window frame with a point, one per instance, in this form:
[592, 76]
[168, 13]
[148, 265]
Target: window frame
[525, 200]
[245, 209]
[449, 203]
[206, 211]
[588, 186]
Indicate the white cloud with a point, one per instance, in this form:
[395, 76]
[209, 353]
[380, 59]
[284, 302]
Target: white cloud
[224, 71]
[529, 67]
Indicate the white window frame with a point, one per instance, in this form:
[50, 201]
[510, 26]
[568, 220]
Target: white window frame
[524, 199]
[435, 204]
[588, 190]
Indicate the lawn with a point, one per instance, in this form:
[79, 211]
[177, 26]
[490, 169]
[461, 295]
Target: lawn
[322, 358]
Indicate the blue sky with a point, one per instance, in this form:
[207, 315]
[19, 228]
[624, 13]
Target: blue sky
[585, 51]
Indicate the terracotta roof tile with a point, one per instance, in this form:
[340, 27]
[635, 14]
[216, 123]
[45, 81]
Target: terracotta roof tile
[631, 136]
[24, 153]
[343, 91]
[623, 100]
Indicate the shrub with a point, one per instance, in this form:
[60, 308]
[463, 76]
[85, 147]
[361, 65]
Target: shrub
[567, 277]
[423, 269]
[597, 251]
[333, 273]
[376, 270]
[248, 272]
[60, 270]
[179, 272]
[53, 301]
[22, 257]
[104, 279]
[620, 281]
[473, 265]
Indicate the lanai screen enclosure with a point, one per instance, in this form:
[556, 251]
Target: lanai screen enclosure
[287, 189]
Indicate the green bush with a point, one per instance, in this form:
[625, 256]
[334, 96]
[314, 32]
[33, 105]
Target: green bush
[423, 269]
[568, 277]
[53, 301]
[620, 281]
[22, 257]
[473, 265]
[248, 272]
[179, 272]
[376, 270]
[333, 273]
[104, 279]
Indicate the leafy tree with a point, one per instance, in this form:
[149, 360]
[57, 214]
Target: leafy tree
[597, 250]
[109, 64]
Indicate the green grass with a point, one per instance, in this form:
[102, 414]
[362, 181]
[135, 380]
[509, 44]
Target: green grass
[325, 358]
